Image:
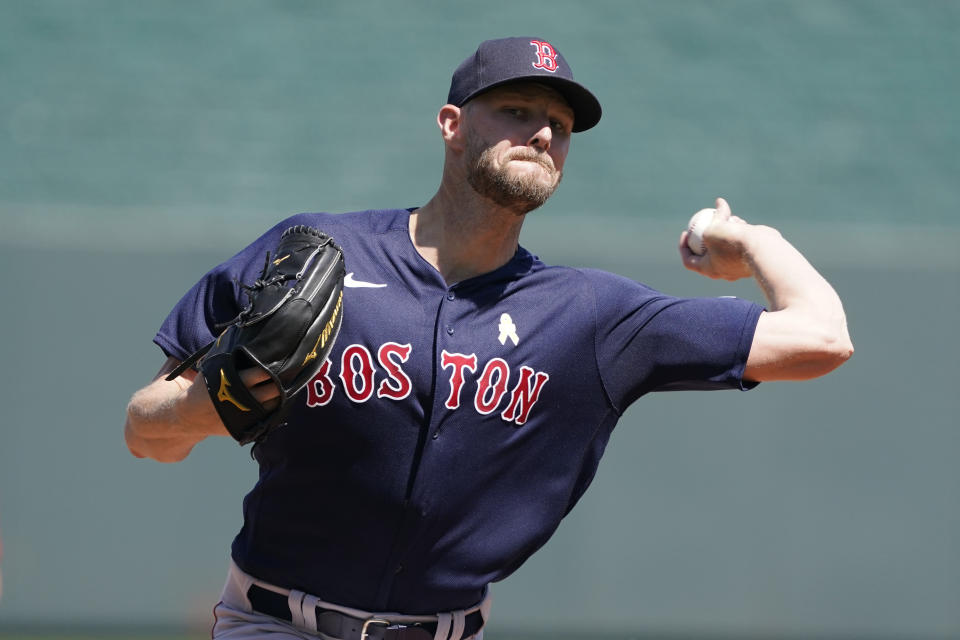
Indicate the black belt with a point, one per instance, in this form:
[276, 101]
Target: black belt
[340, 625]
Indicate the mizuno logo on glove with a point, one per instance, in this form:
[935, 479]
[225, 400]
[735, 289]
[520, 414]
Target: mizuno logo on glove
[224, 395]
[327, 331]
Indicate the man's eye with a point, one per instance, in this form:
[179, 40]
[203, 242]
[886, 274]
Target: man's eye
[558, 126]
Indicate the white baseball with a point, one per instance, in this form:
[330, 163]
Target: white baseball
[697, 225]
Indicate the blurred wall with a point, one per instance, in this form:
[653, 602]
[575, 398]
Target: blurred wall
[142, 143]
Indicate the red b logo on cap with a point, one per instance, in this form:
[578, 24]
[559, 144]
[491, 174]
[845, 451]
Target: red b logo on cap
[546, 56]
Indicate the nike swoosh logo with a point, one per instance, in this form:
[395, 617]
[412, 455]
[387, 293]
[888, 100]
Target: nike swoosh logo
[349, 281]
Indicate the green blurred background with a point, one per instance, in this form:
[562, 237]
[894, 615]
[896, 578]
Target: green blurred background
[140, 143]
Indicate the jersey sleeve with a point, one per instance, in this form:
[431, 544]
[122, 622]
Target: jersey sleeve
[648, 341]
[216, 298]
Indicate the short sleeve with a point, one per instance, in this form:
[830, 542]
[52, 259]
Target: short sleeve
[648, 341]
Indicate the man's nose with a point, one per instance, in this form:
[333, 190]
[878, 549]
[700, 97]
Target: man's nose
[542, 138]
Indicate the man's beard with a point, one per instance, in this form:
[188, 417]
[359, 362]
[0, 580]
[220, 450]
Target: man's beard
[520, 193]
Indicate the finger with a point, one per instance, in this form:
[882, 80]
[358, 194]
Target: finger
[690, 259]
[684, 248]
[253, 376]
[261, 387]
[270, 405]
[264, 393]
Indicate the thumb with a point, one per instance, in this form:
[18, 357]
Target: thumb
[723, 209]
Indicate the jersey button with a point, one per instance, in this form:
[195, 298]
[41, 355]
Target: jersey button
[449, 330]
[451, 296]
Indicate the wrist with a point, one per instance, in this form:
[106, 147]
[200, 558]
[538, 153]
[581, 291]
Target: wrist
[761, 243]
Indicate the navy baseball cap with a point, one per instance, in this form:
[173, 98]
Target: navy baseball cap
[499, 62]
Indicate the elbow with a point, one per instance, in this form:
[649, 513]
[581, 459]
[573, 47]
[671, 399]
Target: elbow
[788, 347]
[846, 352]
[169, 456]
[834, 351]
[132, 448]
[841, 346]
[159, 450]
[141, 446]
[130, 436]
[830, 345]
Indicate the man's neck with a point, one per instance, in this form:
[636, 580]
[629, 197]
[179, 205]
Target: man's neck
[463, 237]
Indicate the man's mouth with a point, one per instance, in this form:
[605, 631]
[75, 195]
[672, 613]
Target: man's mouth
[540, 160]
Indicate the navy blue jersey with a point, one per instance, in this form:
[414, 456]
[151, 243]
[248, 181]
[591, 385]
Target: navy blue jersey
[452, 427]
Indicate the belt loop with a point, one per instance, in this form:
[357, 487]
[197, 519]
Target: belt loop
[236, 587]
[308, 609]
[443, 626]
[459, 622]
[295, 602]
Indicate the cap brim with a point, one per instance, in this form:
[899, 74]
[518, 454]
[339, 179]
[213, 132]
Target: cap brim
[586, 107]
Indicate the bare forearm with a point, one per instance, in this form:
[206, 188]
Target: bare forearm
[786, 277]
[166, 419]
[804, 334]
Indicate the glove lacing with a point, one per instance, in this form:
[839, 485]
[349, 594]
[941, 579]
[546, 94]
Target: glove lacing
[259, 284]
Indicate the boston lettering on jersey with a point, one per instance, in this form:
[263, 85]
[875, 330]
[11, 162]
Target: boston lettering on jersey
[358, 377]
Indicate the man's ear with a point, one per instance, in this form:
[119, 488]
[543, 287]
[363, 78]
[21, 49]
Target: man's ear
[449, 120]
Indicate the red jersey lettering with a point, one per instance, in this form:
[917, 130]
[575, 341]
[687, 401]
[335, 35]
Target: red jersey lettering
[458, 362]
[525, 395]
[356, 372]
[320, 388]
[491, 386]
[397, 386]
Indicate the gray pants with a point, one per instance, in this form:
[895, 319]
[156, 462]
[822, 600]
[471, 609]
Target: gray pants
[236, 619]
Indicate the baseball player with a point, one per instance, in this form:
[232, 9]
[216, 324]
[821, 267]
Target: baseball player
[469, 397]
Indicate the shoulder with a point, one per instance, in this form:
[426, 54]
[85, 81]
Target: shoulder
[594, 283]
[356, 232]
[606, 279]
[355, 222]
[247, 261]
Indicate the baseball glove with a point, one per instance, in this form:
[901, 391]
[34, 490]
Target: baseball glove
[288, 328]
